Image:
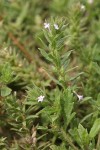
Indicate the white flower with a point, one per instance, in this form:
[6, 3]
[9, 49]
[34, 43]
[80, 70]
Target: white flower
[47, 25]
[40, 98]
[90, 1]
[80, 97]
[83, 7]
[56, 27]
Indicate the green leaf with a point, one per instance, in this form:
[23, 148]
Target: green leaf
[61, 147]
[5, 91]
[46, 36]
[45, 55]
[86, 117]
[42, 128]
[70, 118]
[6, 73]
[83, 134]
[22, 15]
[96, 67]
[95, 128]
[43, 43]
[31, 117]
[85, 100]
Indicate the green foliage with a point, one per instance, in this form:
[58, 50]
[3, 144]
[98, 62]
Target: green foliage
[54, 147]
[2, 143]
[5, 91]
[81, 136]
[95, 129]
[49, 75]
[6, 74]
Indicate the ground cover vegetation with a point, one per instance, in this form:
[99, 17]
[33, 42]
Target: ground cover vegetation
[49, 75]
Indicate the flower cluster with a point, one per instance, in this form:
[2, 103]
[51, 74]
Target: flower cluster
[47, 26]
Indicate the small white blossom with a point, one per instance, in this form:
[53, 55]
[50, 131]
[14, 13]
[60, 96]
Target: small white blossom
[83, 7]
[80, 97]
[56, 26]
[47, 25]
[90, 1]
[40, 98]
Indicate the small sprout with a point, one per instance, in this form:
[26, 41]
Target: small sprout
[56, 27]
[80, 97]
[47, 25]
[40, 98]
